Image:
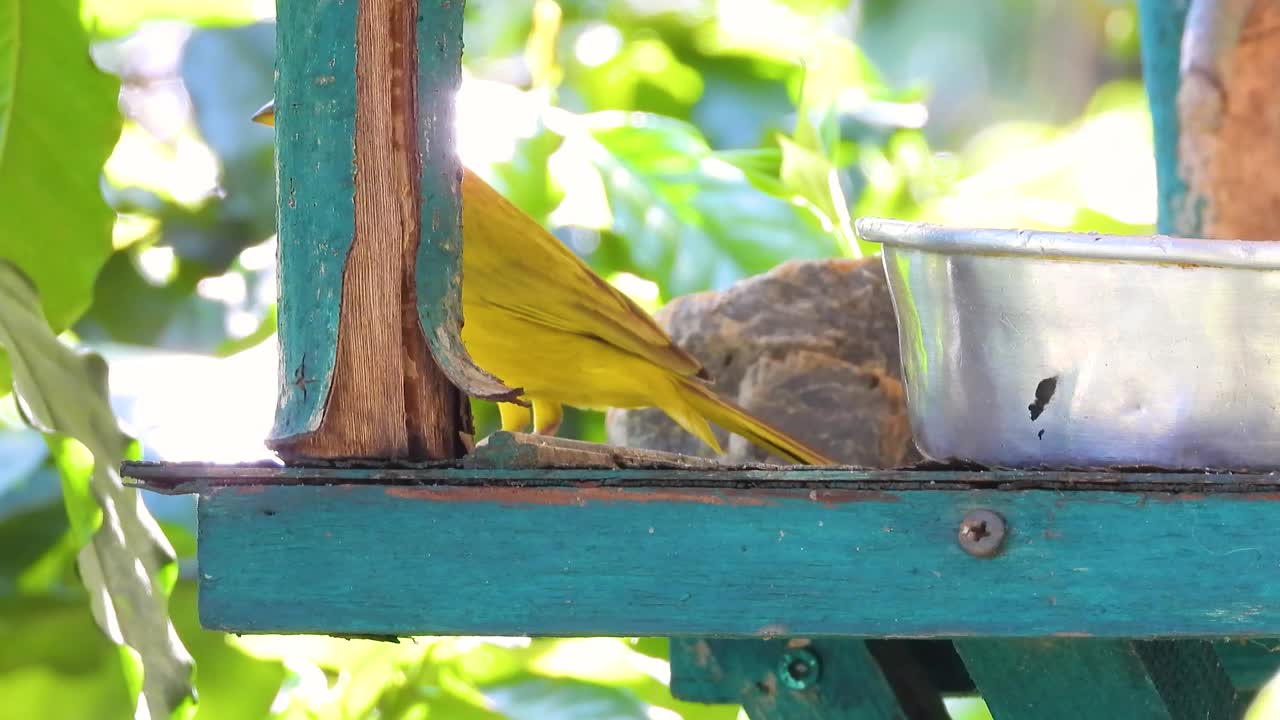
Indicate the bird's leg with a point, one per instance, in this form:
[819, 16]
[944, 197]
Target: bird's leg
[547, 417]
[515, 418]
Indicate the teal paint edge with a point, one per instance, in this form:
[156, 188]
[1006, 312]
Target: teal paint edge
[589, 560]
[1160, 24]
[850, 681]
[438, 265]
[842, 679]
[315, 180]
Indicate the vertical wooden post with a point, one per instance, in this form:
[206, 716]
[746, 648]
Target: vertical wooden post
[357, 377]
[1209, 71]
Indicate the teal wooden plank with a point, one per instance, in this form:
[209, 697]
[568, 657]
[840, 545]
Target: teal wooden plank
[773, 679]
[1251, 662]
[315, 166]
[438, 268]
[590, 559]
[1069, 678]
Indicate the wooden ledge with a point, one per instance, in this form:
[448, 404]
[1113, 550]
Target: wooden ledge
[754, 552]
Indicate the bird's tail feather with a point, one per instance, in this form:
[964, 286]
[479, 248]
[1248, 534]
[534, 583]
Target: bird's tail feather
[709, 406]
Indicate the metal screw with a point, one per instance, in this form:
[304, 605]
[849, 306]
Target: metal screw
[799, 669]
[982, 533]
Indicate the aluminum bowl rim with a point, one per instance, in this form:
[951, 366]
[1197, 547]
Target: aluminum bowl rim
[1154, 249]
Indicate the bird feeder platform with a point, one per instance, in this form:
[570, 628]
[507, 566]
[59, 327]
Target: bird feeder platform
[820, 592]
[1115, 581]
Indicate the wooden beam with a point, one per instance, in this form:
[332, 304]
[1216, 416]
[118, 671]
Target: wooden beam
[1052, 678]
[747, 554]
[792, 679]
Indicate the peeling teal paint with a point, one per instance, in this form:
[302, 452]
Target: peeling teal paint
[315, 173]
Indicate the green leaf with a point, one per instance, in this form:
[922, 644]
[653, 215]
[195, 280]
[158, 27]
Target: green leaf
[814, 177]
[525, 179]
[645, 74]
[6, 377]
[113, 18]
[691, 220]
[654, 647]
[228, 73]
[39, 552]
[234, 684]
[54, 665]
[66, 393]
[968, 708]
[58, 124]
[260, 334]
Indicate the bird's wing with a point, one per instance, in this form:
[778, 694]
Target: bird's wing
[576, 300]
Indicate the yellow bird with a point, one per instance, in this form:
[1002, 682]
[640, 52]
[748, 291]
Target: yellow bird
[539, 318]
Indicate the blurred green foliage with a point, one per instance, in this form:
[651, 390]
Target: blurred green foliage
[676, 147]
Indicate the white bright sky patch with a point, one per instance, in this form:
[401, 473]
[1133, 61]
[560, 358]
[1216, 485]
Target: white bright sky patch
[157, 264]
[490, 118]
[660, 713]
[259, 257]
[227, 288]
[597, 45]
[196, 407]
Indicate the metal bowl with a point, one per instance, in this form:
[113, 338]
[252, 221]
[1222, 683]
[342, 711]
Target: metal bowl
[1027, 349]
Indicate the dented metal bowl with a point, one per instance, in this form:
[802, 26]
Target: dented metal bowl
[1027, 349]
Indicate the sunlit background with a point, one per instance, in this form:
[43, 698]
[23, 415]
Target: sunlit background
[649, 136]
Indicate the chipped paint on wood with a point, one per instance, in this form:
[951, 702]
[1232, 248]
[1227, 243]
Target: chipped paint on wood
[438, 268]
[315, 165]
[674, 564]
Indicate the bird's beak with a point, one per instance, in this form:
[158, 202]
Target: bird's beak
[266, 114]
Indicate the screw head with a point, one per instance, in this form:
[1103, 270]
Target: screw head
[982, 533]
[799, 669]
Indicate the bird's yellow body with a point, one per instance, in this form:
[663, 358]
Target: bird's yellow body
[539, 318]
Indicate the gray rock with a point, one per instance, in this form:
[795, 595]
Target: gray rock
[811, 347]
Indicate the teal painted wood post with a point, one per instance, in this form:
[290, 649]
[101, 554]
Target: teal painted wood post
[315, 185]
[786, 679]
[349, 137]
[438, 269]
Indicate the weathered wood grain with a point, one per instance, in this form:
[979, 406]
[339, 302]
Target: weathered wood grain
[588, 559]
[525, 450]
[197, 477]
[365, 414]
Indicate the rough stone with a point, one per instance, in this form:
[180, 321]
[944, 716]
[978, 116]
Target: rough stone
[811, 347]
